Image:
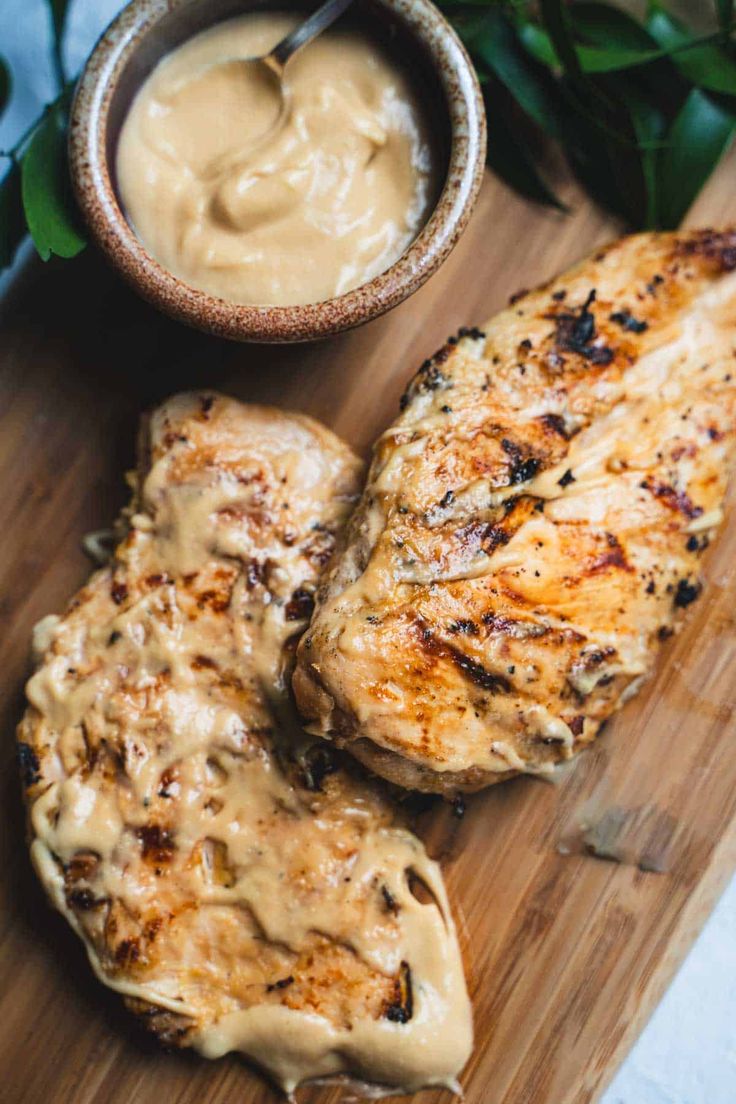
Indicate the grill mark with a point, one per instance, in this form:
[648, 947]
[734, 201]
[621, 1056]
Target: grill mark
[485, 536]
[719, 248]
[676, 500]
[30, 768]
[471, 668]
[400, 1008]
[613, 557]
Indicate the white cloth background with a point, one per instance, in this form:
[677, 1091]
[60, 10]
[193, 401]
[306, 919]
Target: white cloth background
[687, 1053]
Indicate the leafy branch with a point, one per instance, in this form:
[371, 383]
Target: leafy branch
[642, 110]
[34, 188]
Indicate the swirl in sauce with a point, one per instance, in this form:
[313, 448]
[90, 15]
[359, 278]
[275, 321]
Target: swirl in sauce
[330, 199]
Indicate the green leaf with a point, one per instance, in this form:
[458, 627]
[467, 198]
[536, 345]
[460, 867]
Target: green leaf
[5, 84]
[648, 124]
[510, 157]
[704, 65]
[725, 14]
[604, 26]
[608, 170]
[47, 201]
[592, 59]
[12, 223]
[698, 137]
[494, 41]
[557, 21]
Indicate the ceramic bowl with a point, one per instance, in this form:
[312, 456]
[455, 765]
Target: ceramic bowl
[147, 30]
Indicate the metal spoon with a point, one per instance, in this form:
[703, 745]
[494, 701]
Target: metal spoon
[272, 67]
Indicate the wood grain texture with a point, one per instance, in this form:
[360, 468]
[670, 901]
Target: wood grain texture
[566, 954]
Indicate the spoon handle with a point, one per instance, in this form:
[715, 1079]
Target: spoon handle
[325, 15]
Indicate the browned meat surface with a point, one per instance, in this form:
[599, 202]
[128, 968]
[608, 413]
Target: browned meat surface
[532, 521]
[241, 887]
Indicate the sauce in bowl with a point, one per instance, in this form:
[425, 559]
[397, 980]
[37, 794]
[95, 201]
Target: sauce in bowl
[295, 214]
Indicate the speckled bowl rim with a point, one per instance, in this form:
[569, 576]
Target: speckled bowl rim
[110, 230]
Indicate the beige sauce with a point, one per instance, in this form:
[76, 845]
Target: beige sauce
[177, 819]
[320, 205]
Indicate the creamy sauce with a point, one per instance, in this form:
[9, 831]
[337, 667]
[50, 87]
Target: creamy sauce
[182, 822]
[292, 214]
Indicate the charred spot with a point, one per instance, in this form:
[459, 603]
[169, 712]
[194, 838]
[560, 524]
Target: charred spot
[114, 637]
[458, 806]
[430, 377]
[714, 434]
[118, 593]
[152, 928]
[84, 900]
[483, 534]
[127, 952]
[556, 424]
[718, 247]
[255, 573]
[462, 625]
[576, 725]
[654, 284]
[203, 662]
[521, 468]
[674, 499]
[473, 332]
[558, 296]
[525, 344]
[400, 1008]
[517, 296]
[692, 543]
[82, 865]
[471, 668]
[614, 556]
[300, 606]
[282, 983]
[566, 479]
[686, 592]
[157, 579]
[625, 319]
[447, 499]
[217, 600]
[206, 403]
[664, 632]
[317, 762]
[157, 843]
[595, 658]
[30, 768]
[576, 333]
[390, 903]
[166, 783]
[524, 471]
[650, 587]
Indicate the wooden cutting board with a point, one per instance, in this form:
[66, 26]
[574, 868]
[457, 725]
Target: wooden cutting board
[566, 953]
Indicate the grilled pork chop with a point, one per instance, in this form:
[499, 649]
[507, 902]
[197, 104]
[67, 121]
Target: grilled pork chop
[532, 521]
[241, 887]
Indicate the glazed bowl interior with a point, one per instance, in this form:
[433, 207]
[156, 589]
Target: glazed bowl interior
[410, 31]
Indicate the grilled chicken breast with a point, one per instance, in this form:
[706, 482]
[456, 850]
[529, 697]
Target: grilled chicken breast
[532, 521]
[241, 887]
